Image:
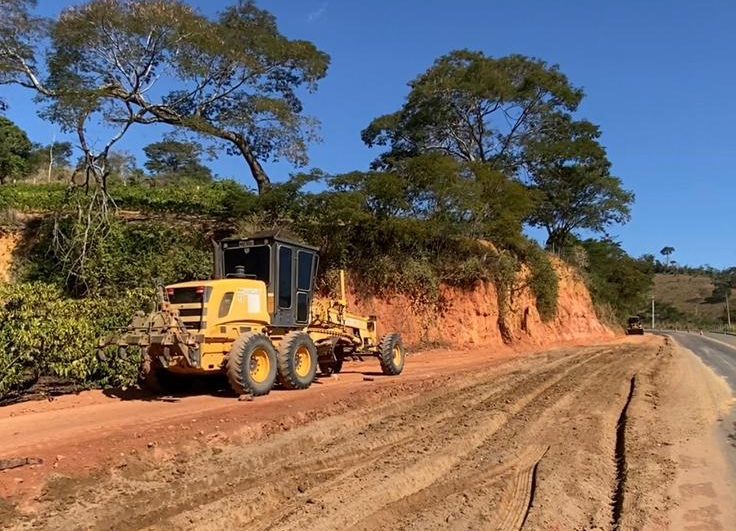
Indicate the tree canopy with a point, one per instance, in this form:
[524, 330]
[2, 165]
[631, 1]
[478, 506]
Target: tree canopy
[617, 279]
[569, 170]
[175, 160]
[473, 107]
[234, 79]
[512, 116]
[15, 151]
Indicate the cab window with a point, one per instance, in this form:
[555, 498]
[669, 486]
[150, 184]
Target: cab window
[285, 277]
[256, 261]
[305, 261]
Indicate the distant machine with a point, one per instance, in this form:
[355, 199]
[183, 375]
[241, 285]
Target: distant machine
[634, 326]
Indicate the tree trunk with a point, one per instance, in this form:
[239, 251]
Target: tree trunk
[165, 115]
[259, 174]
[51, 157]
[555, 241]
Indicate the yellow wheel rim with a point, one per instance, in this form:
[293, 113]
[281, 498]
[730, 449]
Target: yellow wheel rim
[398, 355]
[302, 362]
[260, 366]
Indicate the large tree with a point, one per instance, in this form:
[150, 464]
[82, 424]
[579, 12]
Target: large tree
[15, 151]
[234, 79]
[473, 107]
[45, 158]
[172, 159]
[70, 98]
[569, 171]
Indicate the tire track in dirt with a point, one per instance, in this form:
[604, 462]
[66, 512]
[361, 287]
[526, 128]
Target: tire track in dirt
[435, 507]
[617, 498]
[412, 470]
[443, 404]
[595, 411]
[514, 509]
[500, 446]
[377, 467]
[229, 477]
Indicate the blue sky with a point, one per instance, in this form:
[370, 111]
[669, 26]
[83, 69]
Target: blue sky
[659, 78]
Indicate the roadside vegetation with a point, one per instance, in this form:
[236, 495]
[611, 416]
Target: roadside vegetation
[482, 148]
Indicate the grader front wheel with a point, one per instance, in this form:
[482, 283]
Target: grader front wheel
[251, 365]
[297, 361]
[158, 381]
[391, 354]
[148, 377]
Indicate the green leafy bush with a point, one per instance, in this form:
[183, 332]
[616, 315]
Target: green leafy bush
[42, 332]
[129, 256]
[543, 282]
[217, 199]
[27, 197]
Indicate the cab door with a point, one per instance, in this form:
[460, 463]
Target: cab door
[306, 263]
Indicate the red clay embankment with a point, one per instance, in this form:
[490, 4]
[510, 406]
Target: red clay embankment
[471, 317]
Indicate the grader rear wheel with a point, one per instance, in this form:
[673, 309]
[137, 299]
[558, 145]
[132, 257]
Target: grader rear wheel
[251, 365]
[391, 354]
[297, 361]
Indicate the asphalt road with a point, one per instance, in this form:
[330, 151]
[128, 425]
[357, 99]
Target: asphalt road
[718, 351]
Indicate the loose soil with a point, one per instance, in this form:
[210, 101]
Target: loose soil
[591, 437]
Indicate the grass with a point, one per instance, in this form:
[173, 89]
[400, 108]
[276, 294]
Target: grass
[688, 294]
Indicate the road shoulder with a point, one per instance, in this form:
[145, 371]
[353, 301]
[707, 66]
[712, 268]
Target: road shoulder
[677, 464]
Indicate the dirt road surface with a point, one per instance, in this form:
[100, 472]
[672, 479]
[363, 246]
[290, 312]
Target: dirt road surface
[717, 351]
[613, 436]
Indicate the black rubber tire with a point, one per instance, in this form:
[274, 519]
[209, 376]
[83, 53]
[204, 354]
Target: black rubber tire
[148, 377]
[158, 380]
[239, 362]
[389, 365]
[290, 345]
[333, 367]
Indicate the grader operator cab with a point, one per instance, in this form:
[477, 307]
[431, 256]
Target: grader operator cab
[257, 321]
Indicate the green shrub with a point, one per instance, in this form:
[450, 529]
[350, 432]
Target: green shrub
[413, 277]
[42, 332]
[543, 282]
[467, 273]
[26, 196]
[217, 199]
[129, 256]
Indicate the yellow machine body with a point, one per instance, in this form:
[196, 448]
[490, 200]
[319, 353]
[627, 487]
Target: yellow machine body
[258, 310]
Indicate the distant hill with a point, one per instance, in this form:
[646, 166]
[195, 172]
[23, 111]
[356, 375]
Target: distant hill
[687, 295]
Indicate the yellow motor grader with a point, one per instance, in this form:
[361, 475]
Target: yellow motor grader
[256, 321]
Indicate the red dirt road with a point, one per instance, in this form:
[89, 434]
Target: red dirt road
[578, 437]
[80, 433]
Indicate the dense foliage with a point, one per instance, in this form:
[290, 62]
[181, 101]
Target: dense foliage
[15, 151]
[617, 280]
[174, 161]
[44, 332]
